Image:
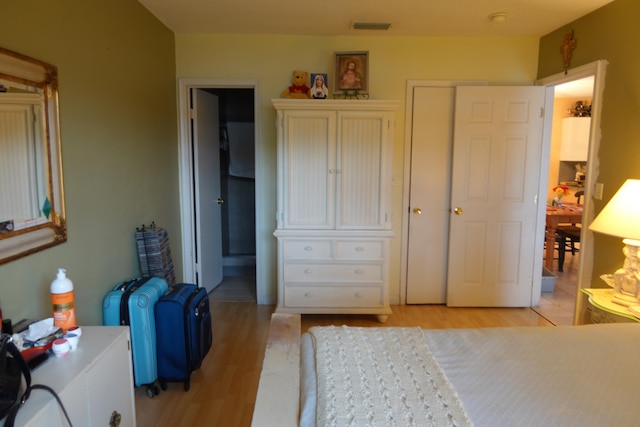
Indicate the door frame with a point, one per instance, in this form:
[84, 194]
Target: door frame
[597, 69]
[187, 192]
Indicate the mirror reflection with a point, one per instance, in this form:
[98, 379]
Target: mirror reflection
[31, 195]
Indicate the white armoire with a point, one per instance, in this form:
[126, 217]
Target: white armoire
[334, 205]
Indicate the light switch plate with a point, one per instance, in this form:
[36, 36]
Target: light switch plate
[597, 191]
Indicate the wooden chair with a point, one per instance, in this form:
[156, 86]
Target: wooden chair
[568, 235]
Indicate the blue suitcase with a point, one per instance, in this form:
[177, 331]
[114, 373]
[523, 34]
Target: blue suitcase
[184, 334]
[136, 309]
[112, 309]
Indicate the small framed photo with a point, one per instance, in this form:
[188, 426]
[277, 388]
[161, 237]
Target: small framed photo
[351, 73]
[319, 86]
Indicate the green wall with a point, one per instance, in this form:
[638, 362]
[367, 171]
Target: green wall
[610, 33]
[116, 65]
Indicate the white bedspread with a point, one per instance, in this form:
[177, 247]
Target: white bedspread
[381, 377]
[529, 376]
[544, 376]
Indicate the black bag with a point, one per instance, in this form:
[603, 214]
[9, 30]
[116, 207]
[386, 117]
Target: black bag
[10, 376]
[12, 368]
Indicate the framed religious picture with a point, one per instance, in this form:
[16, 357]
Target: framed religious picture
[351, 73]
[319, 88]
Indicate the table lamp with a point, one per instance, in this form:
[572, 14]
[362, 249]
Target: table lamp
[621, 218]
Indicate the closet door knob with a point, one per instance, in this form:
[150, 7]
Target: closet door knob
[220, 201]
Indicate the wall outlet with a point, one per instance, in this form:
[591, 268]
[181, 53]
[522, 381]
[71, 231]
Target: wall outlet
[597, 191]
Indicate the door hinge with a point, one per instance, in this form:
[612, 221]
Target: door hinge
[541, 112]
[192, 114]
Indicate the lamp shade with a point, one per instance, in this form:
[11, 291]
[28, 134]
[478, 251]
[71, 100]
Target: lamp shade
[621, 216]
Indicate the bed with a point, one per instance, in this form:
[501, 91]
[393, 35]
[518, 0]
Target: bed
[515, 376]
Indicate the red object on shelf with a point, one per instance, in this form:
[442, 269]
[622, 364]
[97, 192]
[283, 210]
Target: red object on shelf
[33, 352]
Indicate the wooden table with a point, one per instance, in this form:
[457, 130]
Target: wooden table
[557, 216]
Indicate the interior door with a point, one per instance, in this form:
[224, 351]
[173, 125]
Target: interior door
[206, 155]
[497, 152]
[428, 243]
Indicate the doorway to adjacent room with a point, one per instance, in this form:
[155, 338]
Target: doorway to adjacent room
[219, 203]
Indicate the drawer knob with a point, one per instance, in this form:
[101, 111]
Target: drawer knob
[308, 294]
[359, 249]
[308, 271]
[359, 271]
[358, 295]
[308, 248]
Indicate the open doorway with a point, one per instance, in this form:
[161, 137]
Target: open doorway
[576, 175]
[236, 148]
[237, 188]
[565, 198]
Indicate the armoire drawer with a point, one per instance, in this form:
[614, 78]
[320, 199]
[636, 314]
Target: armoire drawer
[343, 296]
[307, 249]
[332, 272]
[359, 250]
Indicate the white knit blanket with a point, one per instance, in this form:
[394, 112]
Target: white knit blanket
[381, 377]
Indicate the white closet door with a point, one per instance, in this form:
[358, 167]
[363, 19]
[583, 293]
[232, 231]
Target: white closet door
[496, 167]
[431, 140]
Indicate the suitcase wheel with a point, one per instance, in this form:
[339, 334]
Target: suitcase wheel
[152, 390]
[163, 385]
[187, 385]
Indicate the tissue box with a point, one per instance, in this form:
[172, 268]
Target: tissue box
[548, 280]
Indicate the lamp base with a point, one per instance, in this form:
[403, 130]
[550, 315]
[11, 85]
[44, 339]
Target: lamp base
[624, 300]
[626, 279]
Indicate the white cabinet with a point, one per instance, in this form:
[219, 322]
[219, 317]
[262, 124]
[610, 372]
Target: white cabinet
[575, 139]
[334, 218]
[94, 382]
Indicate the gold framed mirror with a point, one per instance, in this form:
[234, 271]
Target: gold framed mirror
[32, 211]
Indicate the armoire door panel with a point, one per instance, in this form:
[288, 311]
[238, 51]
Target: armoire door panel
[310, 171]
[360, 160]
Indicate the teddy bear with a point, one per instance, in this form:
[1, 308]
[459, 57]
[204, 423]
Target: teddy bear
[299, 88]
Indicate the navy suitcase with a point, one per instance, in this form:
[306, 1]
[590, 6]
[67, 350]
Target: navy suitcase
[135, 308]
[184, 334]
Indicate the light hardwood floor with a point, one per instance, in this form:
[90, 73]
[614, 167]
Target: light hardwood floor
[223, 390]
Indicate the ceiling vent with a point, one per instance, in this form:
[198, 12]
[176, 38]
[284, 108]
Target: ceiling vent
[370, 25]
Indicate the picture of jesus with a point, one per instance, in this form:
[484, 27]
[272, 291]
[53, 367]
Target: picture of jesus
[351, 73]
[351, 78]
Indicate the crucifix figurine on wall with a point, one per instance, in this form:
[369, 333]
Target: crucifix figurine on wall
[566, 48]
